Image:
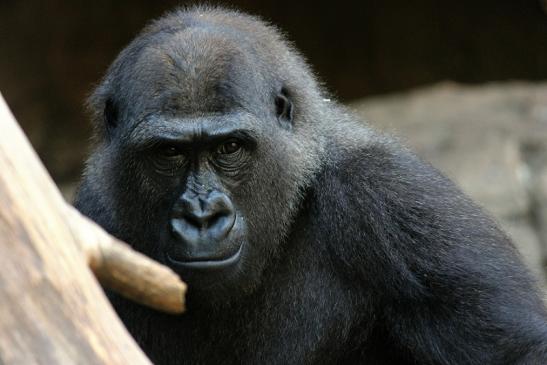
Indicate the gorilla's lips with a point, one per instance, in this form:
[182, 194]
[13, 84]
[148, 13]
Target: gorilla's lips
[205, 263]
[206, 249]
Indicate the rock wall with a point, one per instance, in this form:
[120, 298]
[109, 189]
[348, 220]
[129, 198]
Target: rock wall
[492, 140]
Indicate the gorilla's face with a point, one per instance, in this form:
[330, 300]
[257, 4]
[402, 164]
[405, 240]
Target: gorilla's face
[198, 151]
[190, 176]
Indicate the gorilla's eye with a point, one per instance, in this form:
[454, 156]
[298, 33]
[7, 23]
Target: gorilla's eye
[228, 148]
[283, 107]
[168, 159]
[169, 151]
[230, 156]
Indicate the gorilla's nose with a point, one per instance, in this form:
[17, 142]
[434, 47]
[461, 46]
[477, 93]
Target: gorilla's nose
[203, 218]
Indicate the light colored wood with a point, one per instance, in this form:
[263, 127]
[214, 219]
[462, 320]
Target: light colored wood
[52, 309]
[120, 268]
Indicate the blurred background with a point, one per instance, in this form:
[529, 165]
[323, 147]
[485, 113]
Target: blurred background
[462, 82]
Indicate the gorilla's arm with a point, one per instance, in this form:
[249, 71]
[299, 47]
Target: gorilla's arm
[447, 284]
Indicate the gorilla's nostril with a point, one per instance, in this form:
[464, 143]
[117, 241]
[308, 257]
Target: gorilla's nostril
[214, 220]
[218, 214]
[194, 220]
[221, 224]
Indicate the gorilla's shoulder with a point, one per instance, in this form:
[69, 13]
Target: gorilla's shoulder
[367, 162]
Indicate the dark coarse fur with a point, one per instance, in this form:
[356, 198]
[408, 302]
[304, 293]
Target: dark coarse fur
[356, 251]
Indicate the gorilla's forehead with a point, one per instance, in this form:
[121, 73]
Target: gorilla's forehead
[194, 70]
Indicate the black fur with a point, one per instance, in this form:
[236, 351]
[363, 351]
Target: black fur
[355, 251]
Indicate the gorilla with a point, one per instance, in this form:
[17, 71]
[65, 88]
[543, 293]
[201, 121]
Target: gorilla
[305, 237]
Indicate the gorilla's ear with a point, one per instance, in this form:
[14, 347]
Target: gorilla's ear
[110, 115]
[284, 108]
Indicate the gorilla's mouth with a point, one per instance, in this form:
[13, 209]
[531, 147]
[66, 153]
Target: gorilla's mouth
[205, 264]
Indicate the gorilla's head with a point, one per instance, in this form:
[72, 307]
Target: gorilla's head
[205, 144]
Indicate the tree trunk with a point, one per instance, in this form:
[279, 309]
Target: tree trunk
[52, 309]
